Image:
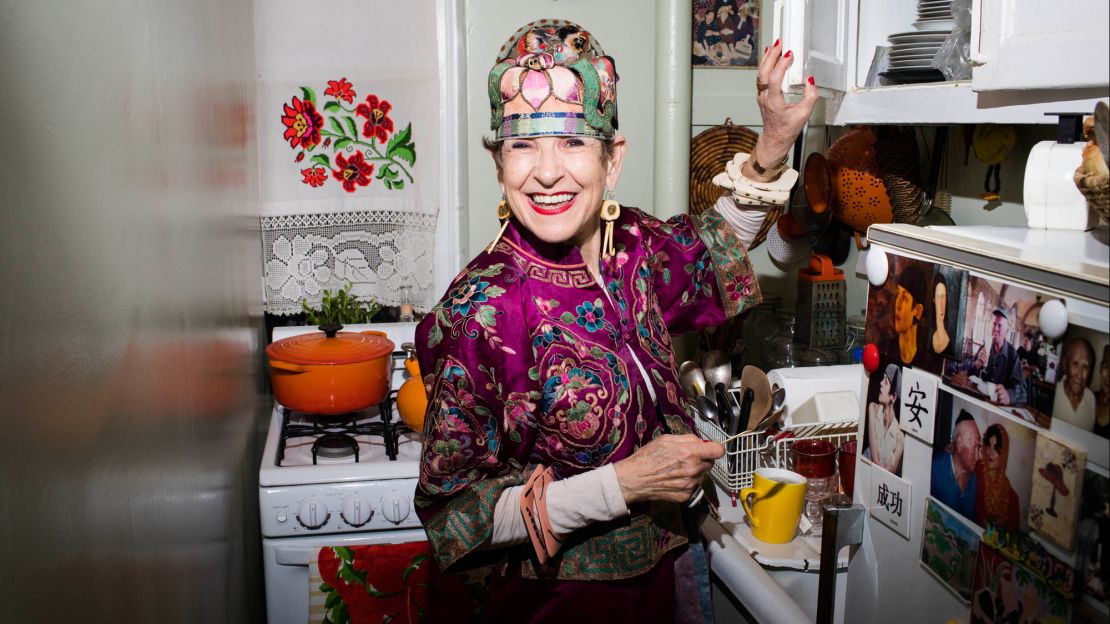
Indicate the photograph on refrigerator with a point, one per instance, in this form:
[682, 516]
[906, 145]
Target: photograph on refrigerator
[948, 547]
[1054, 500]
[883, 440]
[1007, 591]
[981, 463]
[1004, 358]
[726, 33]
[1092, 549]
[896, 314]
[945, 313]
[1083, 381]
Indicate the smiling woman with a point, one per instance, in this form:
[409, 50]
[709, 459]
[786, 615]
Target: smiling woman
[557, 444]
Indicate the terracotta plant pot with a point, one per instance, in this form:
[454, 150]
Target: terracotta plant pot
[331, 373]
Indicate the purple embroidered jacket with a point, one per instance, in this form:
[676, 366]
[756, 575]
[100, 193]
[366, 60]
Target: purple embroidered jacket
[529, 361]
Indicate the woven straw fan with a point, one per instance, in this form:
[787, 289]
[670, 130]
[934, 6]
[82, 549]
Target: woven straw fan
[710, 151]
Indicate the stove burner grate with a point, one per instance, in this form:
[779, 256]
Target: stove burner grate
[335, 434]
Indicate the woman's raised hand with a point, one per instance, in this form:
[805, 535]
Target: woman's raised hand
[668, 468]
[782, 122]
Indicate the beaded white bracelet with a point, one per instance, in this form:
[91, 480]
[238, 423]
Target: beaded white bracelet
[752, 192]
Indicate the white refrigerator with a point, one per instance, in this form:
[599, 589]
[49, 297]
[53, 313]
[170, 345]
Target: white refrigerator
[985, 495]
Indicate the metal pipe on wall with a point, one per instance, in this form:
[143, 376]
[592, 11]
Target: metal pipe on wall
[673, 80]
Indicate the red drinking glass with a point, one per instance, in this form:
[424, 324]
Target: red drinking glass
[814, 459]
[846, 459]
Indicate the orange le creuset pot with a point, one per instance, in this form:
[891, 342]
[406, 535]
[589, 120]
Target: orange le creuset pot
[331, 372]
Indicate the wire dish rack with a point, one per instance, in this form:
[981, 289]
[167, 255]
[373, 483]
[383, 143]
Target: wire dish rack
[758, 449]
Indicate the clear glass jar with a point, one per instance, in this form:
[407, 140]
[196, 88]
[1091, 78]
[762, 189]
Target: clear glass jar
[780, 350]
[854, 329]
[818, 357]
[759, 324]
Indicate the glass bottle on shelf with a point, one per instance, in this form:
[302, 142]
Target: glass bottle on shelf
[761, 322]
[780, 350]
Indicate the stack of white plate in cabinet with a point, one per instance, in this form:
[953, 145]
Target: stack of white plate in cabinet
[911, 53]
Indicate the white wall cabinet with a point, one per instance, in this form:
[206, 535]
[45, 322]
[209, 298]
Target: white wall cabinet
[1028, 59]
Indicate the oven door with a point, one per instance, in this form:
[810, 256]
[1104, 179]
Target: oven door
[286, 566]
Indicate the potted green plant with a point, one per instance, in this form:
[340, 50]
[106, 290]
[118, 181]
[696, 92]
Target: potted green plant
[341, 308]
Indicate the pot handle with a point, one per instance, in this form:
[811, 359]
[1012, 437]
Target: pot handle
[288, 367]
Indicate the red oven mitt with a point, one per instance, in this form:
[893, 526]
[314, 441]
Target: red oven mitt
[397, 583]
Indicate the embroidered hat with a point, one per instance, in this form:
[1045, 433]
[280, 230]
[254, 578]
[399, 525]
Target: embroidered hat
[552, 79]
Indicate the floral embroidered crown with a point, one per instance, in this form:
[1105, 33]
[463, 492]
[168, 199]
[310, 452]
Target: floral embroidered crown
[553, 79]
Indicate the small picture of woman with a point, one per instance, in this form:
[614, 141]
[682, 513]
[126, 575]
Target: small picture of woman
[940, 338]
[885, 436]
[997, 501]
[1076, 404]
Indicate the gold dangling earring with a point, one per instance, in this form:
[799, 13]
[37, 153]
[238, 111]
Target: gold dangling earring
[503, 214]
[610, 210]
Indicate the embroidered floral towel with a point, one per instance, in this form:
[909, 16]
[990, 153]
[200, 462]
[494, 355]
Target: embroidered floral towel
[394, 583]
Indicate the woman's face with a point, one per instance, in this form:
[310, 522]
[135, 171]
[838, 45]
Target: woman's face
[940, 300]
[555, 185]
[1079, 367]
[1104, 373]
[884, 390]
[992, 451]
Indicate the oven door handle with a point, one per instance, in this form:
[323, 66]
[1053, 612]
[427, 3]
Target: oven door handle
[294, 556]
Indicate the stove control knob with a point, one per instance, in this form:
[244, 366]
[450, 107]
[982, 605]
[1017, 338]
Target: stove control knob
[313, 513]
[396, 508]
[357, 511]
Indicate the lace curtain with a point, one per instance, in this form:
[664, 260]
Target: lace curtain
[387, 255]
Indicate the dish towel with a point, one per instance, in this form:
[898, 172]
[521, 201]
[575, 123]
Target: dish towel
[396, 583]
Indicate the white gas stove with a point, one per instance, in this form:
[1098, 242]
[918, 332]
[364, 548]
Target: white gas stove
[328, 481]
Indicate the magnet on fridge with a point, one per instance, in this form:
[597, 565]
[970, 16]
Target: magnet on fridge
[1053, 318]
[878, 267]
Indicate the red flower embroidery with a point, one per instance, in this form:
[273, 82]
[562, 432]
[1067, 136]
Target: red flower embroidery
[315, 176]
[300, 157]
[341, 90]
[739, 288]
[302, 124]
[378, 124]
[352, 171]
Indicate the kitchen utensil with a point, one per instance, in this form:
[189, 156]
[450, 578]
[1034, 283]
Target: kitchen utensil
[330, 373]
[728, 407]
[819, 310]
[412, 400]
[754, 379]
[846, 461]
[708, 410]
[859, 193]
[717, 368]
[818, 186]
[691, 379]
[787, 243]
[774, 504]
[745, 410]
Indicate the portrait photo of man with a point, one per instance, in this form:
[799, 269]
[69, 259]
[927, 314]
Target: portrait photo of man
[1002, 356]
[953, 480]
[998, 366]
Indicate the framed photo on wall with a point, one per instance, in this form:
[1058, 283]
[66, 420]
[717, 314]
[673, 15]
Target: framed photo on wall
[726, 33]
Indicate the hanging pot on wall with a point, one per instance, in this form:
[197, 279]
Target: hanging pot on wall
[332, 372]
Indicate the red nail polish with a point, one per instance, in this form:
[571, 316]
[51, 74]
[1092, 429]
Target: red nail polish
[788, 53]
[765, 50]
[811, 80]
[777, 42]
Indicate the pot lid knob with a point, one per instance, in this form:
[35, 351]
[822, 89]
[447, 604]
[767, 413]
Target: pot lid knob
[330, 329]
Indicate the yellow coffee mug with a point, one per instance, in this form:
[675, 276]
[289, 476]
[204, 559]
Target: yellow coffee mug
[774, 504]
